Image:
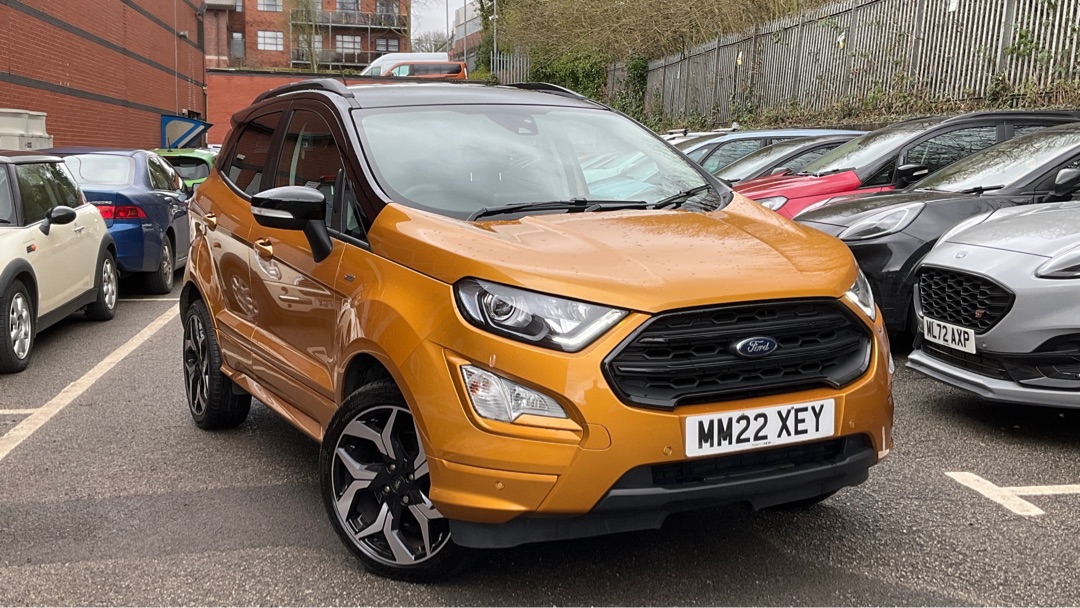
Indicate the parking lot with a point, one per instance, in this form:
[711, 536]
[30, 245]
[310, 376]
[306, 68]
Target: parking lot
[117, 498]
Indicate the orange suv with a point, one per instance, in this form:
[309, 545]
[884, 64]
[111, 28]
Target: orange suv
[499, 340]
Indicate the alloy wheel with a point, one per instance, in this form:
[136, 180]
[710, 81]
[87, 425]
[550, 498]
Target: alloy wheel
[196, 364]
[381, 484]
[108, 282]
[20, 326]
[167, 263]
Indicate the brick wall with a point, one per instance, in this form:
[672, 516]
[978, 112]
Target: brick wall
[104, 71]
[228, 92]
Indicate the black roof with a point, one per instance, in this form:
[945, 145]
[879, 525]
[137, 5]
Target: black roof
[18, 157]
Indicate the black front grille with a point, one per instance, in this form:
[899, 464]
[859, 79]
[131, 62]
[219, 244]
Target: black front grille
[963, 299]
[982, 364]
[688, 357]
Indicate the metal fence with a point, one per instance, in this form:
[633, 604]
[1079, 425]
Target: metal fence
[943, 49]
[510, 68]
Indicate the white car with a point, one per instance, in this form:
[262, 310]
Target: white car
[56, 256]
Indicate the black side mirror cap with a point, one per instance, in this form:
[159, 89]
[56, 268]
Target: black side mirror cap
[909, 174]
[295, 208]
[1066, 183]
[58, 215]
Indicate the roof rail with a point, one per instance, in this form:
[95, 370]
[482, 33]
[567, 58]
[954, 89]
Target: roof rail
[545, 87]
[329, 85]
[1017, 111]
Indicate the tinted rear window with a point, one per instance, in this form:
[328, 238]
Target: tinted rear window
[190, 167]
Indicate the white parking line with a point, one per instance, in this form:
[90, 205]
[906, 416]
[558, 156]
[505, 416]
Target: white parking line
[17, 412]
[40, 416]
[1009, 497]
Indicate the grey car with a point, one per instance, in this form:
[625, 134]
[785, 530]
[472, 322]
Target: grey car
[998, 301]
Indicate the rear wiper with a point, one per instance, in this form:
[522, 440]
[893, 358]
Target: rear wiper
[677, 199]
[980, 189]
[574, 204]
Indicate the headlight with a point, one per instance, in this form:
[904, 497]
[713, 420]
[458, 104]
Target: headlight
[526, 316]
[886, 222]
[497, 398]
[964, 225]
[1062, 266]
[772, 202]
[861, 296]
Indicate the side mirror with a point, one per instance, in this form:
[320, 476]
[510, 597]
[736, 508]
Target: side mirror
[909, 174]
[295, 208]
[1066, 183]
[780, 171]
[58, 215]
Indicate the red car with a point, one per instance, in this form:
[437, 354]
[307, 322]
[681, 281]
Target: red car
[894, 157]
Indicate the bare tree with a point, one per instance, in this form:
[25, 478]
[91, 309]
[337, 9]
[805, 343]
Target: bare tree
[308, 38]
[431, 42]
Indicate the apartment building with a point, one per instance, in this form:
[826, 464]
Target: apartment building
[304, 34]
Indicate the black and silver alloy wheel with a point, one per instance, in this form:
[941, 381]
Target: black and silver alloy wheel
[213, 400]
[381, 483]
[160, 281]
[196, 365]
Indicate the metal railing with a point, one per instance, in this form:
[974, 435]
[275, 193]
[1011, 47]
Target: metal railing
[330, 57]
[350, 18]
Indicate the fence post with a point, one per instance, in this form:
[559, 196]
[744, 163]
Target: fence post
[915, 58]
[1006, 33]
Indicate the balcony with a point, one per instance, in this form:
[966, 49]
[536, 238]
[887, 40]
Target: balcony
[350, 19]
[342, 58]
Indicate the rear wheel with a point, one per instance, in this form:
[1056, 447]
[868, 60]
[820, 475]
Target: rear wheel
[160, 281]
[375, 487]
[18, 324]
[104, 308]
[212, 399]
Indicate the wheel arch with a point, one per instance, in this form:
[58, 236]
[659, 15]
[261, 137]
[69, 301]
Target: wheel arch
[21, 270]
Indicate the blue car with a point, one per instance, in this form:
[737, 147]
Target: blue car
[144, 203]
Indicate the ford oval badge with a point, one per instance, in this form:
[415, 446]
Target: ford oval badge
[752, 348]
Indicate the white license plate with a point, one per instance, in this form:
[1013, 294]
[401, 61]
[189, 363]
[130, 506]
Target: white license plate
[960, 338]
[746, 429]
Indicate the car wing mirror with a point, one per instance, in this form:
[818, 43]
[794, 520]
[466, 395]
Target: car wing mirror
[1066, 183]
[909, 174]
[295, 208]
[59, 216]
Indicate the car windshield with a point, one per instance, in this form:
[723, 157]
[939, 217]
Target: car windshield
[1003, 164]
[869, 148]
[189, 167]
[457, 160]
[101, 169]
[758, 160]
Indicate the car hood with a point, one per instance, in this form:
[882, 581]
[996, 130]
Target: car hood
[648, 261]
[798, 186]
[1045, 230]
[847, 212]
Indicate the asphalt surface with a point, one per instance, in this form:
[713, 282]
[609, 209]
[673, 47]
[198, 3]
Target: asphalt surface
[120, 499]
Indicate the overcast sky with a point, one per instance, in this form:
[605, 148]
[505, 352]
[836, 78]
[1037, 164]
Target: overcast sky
[431, 15]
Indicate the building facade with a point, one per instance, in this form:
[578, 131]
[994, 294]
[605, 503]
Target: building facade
[304, 34]
[467, 34]
[104, 71]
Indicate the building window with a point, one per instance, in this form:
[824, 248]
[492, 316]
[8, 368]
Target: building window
[270, 5]
[347, 44]
[349, 5]
[385, 45]
[239, 6]
[271, 41]
[386, 7]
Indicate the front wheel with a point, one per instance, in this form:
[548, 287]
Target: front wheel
[212, 400]
[18, 324]
[375, 486]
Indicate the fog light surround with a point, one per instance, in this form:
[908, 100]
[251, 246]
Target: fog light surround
[496, 398]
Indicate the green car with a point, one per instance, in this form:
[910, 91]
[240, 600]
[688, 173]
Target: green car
[193, 164]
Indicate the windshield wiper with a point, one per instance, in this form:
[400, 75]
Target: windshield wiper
[678, 199]
[980, 189]
[828, 172]
[574, 204]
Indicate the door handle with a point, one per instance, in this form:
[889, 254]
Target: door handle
[211, 220]
[265, 249]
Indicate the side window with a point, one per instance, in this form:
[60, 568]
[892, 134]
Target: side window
[883, 177]
[700, 153]
[310, 157]
[729, 152]
[402, 70]
[1047, 185]
[945, 149]
[798, 162]
[1019, 130]
[7, 204]
[159, 175]
[356, 220]
[248, 159]
[43, 186]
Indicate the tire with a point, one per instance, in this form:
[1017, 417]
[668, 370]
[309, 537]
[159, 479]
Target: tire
[376, 493]
[104, 308]
[806, 503]
[18, 326]
[212, 400]
[160, 281]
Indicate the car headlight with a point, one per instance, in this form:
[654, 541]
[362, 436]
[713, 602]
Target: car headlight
[1064, 265]
[964, 225]
[772, 202]
[880, 224]
[534, 318]
[497, 398]
[861, 295]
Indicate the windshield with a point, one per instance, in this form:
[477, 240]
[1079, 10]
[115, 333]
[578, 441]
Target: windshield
[1003, 164]
[189, 167]
[869, 148]
[456, 160]
[759, 160]
[101, 169]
